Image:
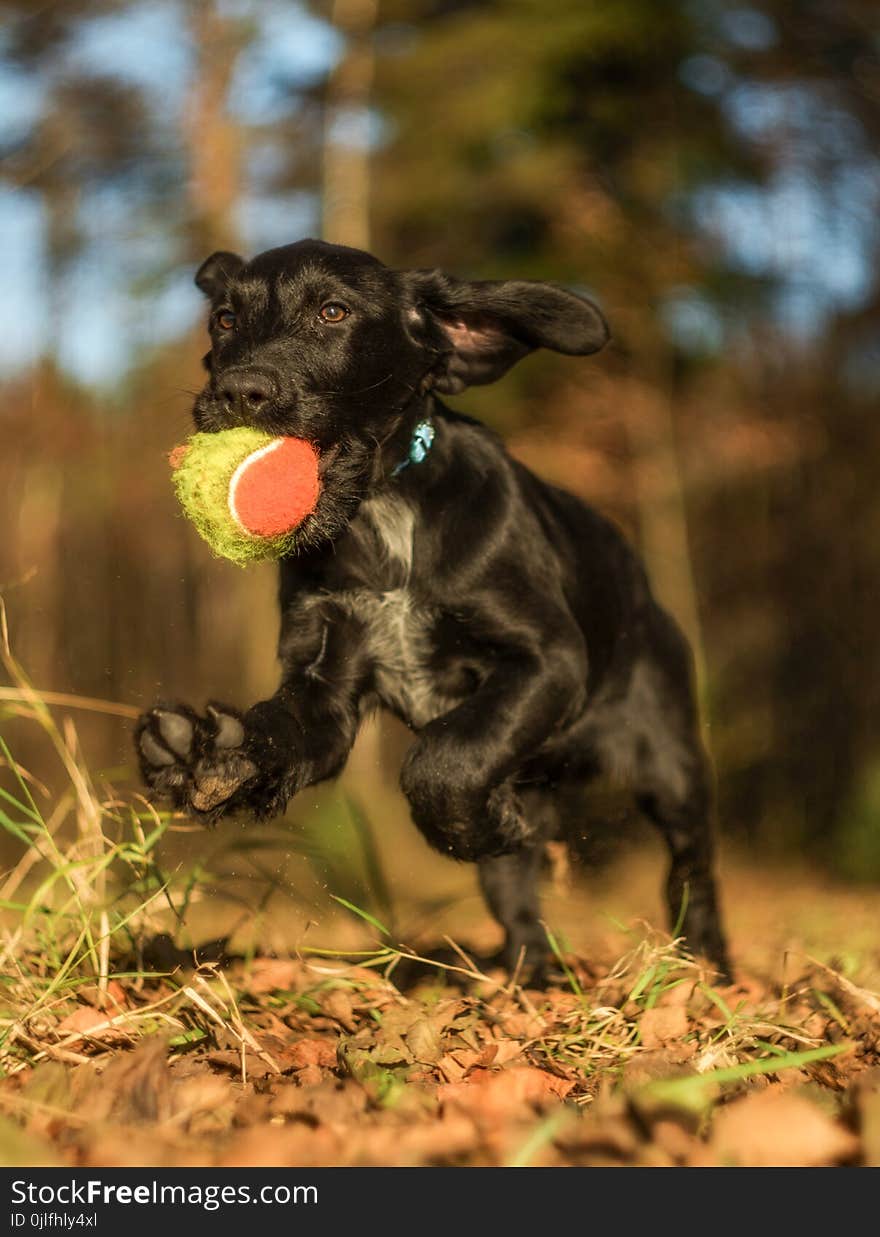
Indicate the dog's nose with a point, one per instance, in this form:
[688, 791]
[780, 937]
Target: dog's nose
[246, 392]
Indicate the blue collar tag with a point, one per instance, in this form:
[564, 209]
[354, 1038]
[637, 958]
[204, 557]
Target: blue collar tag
[420, 444]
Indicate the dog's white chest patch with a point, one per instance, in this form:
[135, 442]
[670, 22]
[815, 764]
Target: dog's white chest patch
[399, 643]
[391, 521]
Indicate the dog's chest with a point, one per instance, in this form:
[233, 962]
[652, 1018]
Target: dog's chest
[408, 674]
[400, 648]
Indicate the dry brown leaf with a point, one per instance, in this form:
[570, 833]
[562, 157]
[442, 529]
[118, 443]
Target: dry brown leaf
[560, 1001]
[423, 1041]
[467, 1058]
[523, 1026]
[451, 1068]
[434, 1142]
[495, 1094]
[134, 1088]
[273, 975]
[496, 1052]
[203, 1105]
[770, 1129]
[440, 1139]
[114, 997]
[309, 1076]
[120, 1146]
[664, 1024]
[658, 1063]
[337, 1004]
[861, 996]
[341, 1103]
[609, 1131]
[488, 1055]
[680, 994]
[268, 1022]
[84, 1019]
[312, 1052]
[677, 1142]
[285, 1146]
[253, 1108]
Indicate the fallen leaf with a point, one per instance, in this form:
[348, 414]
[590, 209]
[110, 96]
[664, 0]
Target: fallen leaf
[120, 1146]
[678, 1143]
[337, 1004]
[679, 994]
[611, 1133]
[330, 1101]
[309, 1076]
[664, 1024]
[861, 996]
[523, 1026]
[658, 1063]
[203, 1105]
[770, 1129]
[496, 1093]
[451, 1069]
[114, 998]
[136, 1087]
[312, 1052]
[437, 1141]
[423, 1041]
[84, 1019]
[284, 1146]
[273, 975]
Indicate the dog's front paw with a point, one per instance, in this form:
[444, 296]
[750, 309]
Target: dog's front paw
[497, 827]
[203, 764]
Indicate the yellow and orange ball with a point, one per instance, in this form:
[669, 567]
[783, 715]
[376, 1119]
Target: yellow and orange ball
[246, 491]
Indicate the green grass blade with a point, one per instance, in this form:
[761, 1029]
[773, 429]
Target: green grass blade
[361, 914]
[697, 1091]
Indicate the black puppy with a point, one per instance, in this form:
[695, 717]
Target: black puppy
[508, 625]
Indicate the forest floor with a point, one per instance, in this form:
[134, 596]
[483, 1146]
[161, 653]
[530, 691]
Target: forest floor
[633, 1056]
[340, 1008]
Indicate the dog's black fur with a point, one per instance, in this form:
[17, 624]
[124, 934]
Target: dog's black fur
[508, 625]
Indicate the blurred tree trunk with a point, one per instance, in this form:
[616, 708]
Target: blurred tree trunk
[662, 514]
[345, 220]
[213, 137]
[346, 157]
[230, 617]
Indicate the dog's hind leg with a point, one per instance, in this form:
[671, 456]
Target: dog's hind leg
[672, 782]
[682, 813]
[510, 887]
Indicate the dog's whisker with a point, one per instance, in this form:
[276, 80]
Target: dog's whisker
[361, 391]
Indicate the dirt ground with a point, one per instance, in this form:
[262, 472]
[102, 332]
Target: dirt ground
[631, 1057]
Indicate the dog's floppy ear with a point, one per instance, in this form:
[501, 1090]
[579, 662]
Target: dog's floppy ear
[216, 271]
[482, 328]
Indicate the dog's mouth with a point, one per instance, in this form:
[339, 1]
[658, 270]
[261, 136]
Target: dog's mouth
[255, 494]
[327, 457]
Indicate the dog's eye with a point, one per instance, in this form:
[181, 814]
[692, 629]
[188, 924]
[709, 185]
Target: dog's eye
[226, 320]
[333, 312]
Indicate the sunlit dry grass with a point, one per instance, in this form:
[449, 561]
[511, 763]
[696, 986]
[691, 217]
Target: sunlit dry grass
[120, 1043]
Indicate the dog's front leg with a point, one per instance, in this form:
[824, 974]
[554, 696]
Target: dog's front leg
[225, 761]
[458, 775]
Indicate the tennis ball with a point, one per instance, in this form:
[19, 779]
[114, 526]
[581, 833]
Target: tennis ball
[245, 491]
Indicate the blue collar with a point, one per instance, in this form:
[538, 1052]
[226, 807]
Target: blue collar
[420, 444]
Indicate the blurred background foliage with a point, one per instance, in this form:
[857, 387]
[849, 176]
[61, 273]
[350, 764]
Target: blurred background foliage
[708, 170]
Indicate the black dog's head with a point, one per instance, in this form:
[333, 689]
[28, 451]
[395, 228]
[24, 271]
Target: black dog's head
[325, 343]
